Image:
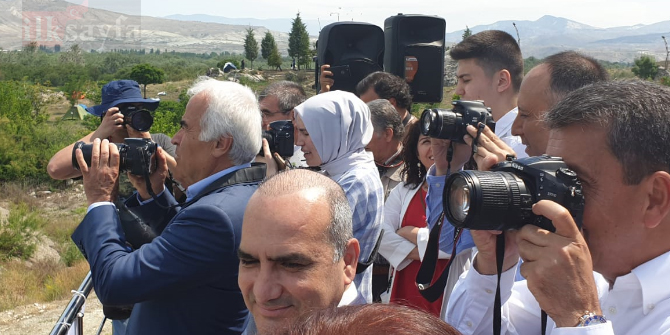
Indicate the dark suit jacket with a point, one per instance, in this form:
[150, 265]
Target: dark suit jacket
[185, 280]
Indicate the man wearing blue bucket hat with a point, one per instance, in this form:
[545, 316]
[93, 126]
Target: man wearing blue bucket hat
[124, 113]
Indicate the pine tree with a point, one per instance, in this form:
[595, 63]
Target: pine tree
[250, 46]
[298, 42]
[645, 67]
[267, 44]
[467, 33]
[274, 59]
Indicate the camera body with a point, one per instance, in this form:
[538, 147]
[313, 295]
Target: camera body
[502, 199]
[135, 155]
[138, 118]
[451, 124]
[280, 137]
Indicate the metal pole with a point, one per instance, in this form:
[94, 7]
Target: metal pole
[73, 307]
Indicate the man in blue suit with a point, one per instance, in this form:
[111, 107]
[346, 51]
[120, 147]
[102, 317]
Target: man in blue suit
[185, 280]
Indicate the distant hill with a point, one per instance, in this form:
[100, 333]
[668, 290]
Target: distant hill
[284, 25]
[550, 34]
[96, 29]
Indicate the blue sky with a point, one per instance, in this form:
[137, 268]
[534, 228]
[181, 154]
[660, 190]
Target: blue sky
[598, 13]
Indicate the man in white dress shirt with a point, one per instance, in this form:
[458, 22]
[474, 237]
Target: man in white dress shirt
[615, 136]
[490, 68]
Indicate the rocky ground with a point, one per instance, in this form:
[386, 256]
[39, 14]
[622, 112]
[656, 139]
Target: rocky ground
[40, 318]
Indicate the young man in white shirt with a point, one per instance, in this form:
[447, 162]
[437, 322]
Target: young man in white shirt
[490, 68]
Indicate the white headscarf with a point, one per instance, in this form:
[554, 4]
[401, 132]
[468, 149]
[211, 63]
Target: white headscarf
[340, 127]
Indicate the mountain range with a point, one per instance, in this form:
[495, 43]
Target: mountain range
[102, 30]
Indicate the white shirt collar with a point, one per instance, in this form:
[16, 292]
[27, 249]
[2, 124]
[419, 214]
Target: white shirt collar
[350, 296]
[653, 289]
[504, 124]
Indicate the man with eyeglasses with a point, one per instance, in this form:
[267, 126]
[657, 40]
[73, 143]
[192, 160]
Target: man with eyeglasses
[277, 101]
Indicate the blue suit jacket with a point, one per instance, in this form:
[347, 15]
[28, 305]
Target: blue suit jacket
[185, 280]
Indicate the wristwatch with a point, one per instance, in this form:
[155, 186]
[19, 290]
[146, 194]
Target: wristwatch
[590, 318]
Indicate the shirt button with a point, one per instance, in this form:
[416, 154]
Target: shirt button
[489, 291]
[651, 306]
[437, 185]
[613, 310]
[469, 324]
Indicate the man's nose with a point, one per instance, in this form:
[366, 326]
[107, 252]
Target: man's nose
[267, 285]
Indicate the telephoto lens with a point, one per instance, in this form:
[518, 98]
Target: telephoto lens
[503, 198]
[135, 155]
[138, 119]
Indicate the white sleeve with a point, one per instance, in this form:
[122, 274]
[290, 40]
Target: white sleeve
[394, 247]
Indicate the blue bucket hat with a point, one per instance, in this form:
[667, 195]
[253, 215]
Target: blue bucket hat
[121, 91]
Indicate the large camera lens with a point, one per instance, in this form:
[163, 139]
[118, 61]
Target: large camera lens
[87, 150]
[486, 200]
[140, 120]
[439, 123]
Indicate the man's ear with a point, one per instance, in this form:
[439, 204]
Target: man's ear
[657, 194]
[290, 115]
[388, 135]
[504, 80]
[393, 102]
[222, 146]
[350, 258]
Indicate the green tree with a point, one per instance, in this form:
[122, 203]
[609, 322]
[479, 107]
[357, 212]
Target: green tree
[467, 33]
[298, 42]
[645, 67]
[274, 59]
[145, 74]
[267, 44]
[250, 46]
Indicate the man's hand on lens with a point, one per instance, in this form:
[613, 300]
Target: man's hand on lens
[157, 177]
[558, 266]
[274, 163]
[485, 240]
[111, 123]
[490, 149]
[326, 79]
[100, 179]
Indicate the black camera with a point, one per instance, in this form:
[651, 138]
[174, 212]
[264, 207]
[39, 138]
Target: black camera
[280, 138]
[451, 124]
[502, 199]
[135, 155]
[138, 118]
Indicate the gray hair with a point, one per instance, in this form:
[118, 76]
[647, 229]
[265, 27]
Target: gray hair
[232, 111]
[384, 115]
[636, 115]
[288, 93]
[340, 228]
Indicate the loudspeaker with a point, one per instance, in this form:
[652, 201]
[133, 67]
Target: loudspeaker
[415, 51]
[356, 49]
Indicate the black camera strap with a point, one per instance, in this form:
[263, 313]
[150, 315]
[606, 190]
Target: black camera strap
[362, 266]
[497, 305]
[430, 290]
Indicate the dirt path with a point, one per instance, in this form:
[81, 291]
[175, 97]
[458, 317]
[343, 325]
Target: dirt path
[40, 318]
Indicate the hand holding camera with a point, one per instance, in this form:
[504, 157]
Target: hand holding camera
[491, 150]
[156, 176]
[101, 172]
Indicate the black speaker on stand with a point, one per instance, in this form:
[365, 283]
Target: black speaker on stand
[415, 51]
[353, 50]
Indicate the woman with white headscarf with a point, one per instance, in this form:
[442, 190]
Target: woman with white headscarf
[333, 130]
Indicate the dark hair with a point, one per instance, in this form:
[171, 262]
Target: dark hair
[288, 93]
[387, 86]
[369, 319]
[636, 115]
[493, 50]
[384, 116]
[571, 70]
[413, 171]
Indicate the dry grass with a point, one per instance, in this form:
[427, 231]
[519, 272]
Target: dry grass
[22, 283]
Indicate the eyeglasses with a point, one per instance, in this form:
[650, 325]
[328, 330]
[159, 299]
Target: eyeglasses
[268, 114]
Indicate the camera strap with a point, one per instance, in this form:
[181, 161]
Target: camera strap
[497, 305]
[430, 290]
[362, 266]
